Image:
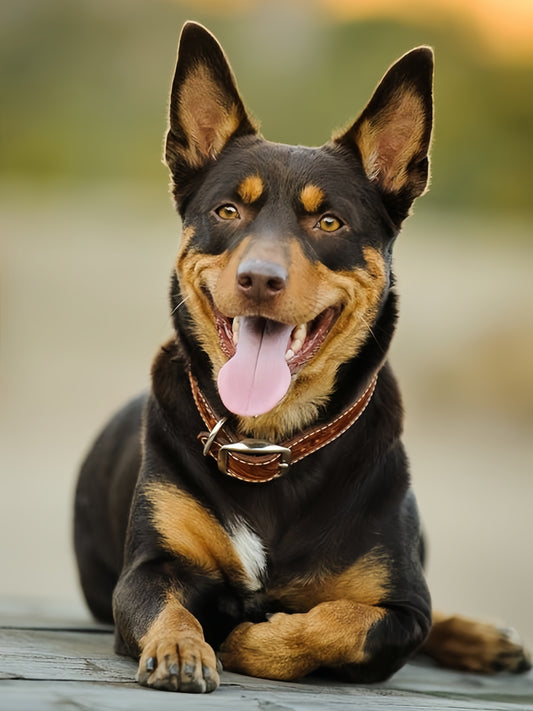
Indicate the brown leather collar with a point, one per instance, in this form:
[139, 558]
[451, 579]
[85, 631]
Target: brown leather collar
[259, 461]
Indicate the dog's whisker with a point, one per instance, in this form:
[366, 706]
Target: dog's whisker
[179, 305]
[371, 331]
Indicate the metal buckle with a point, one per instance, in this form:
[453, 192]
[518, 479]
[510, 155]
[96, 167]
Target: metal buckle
[257, 447]
[213, 435]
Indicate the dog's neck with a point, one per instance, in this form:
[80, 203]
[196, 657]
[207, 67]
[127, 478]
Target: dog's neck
[260, 461]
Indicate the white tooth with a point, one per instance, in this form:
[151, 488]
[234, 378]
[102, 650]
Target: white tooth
[300, 332]
[235, 329]
[298, 337]
[297, 345]
[289, 354]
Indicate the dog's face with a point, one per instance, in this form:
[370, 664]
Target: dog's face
[285, 254]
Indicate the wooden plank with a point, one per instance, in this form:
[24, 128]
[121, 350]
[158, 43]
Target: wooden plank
[48, 669]
[62, 655]
[51, 695]
[423, 676]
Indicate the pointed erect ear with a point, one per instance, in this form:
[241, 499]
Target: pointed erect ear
[205, 107]
[393, 133]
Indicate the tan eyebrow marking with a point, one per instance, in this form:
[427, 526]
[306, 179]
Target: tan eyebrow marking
[250, 189]
[312, 197]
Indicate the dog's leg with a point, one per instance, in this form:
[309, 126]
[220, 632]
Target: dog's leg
[164, 635]
[359, 642]
[174, 654]
[461, 643]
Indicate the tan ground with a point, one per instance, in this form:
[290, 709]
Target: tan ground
[83, 307]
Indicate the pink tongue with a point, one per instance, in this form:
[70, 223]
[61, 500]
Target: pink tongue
[257, 377]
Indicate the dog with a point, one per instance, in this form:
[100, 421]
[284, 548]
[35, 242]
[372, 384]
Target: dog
[254, 508]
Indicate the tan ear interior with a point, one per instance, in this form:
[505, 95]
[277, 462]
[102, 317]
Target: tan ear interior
[206, 118]
[390, 140]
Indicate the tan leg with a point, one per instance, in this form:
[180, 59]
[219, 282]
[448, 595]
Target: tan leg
[465, 644]
[289, 646]
[174, 655]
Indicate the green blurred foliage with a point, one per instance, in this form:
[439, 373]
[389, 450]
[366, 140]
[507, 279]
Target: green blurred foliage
[85, 90]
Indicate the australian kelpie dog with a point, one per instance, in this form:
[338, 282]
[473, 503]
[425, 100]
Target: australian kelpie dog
[255, 506]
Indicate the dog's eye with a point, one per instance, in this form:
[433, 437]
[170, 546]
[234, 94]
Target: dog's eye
[227, 212]
[329, 223]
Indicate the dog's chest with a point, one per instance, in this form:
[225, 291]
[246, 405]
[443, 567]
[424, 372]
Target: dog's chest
[250, 551]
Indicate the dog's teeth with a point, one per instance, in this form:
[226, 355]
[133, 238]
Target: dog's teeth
[297, 345]
[289, 354]
[300, 331]
[235, 329]
[298, 337]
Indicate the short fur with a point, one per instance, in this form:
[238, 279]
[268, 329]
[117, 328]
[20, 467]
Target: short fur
[320, 569]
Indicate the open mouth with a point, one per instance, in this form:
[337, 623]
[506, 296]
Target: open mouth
[303, 343]
[263, 354]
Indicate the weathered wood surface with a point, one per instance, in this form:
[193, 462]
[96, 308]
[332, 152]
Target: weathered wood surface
[50, 663]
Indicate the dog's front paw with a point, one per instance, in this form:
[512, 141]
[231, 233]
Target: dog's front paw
[187, 664]
[272, 650]
[238, 650]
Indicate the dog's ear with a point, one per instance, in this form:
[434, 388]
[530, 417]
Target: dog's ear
[205, 107]
[393, 133]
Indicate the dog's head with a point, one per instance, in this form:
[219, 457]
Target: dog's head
[284, 263]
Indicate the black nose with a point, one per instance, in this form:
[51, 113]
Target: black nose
[260, 279]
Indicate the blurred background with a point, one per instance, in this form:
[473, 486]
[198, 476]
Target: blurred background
[88, 238]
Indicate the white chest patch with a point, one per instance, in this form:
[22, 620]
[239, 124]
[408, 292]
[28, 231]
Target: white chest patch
[250, 550]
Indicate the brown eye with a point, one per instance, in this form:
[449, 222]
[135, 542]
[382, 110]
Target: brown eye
[227, 212]
[329, 223]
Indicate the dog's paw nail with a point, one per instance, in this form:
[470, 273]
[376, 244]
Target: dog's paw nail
[188, 670]
[211, 681]
[173, 670]
[150, 664]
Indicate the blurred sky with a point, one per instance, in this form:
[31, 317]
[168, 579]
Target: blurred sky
[506, 26]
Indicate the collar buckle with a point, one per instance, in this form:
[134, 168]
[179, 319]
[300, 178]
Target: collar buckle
[213, 435]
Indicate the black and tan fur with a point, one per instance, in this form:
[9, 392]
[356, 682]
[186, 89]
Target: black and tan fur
[320, 569]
